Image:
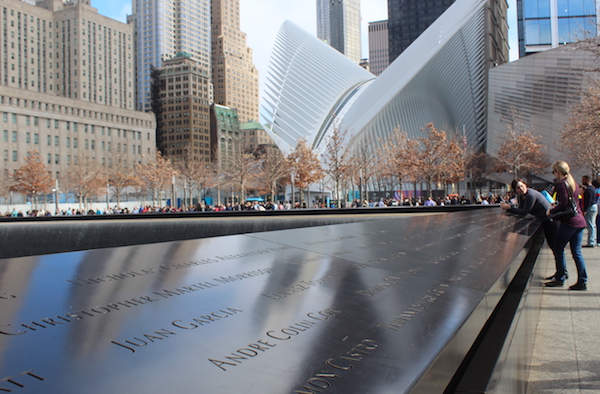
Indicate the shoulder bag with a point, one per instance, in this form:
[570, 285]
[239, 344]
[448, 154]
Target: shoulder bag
[569, 212]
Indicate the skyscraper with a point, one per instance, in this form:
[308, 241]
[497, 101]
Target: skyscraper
[323, 25]
[338, 23]
[181, 102]
[379, 50]
[407, 19]
[550, 23]
[67, 87]
[165, 28]
[235, 78]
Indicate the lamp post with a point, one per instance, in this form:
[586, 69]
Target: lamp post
[173, 191]
[360, 185]
[107, 195]
[293, 202]
[55, 190]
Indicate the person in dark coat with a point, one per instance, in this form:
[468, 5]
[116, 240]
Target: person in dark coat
[533, 202]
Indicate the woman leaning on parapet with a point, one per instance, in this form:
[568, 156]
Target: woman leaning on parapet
[533, 202]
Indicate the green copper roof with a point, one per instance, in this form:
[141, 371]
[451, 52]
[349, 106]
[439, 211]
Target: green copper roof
[251, 126]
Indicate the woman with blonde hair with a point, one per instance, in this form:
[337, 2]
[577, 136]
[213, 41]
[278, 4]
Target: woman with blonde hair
[570, 230]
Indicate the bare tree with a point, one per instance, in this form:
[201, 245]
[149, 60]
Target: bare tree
[120, 175]
[6, 185]
[194, 172]
[85, 178]
[241, 171]
[337, 162]
[306, 167]
[32, 178]
[580, 138]
[477, 165]
[272, 169]
[156, 174]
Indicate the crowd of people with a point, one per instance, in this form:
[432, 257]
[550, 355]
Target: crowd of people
[262, 206]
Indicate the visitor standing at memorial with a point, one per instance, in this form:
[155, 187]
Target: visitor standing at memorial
[570, 231]
[533, 202]
[590, 210]
[596, 184]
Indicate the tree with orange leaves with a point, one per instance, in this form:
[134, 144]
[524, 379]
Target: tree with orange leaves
[520, 153]
[442, 159]
[401, 157]
[32, 178]
[306, 167]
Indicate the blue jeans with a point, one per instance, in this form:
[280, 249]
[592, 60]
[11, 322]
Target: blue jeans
[590, 220]
[564, 235]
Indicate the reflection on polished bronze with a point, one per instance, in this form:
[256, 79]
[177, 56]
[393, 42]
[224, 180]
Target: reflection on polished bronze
[389, 305]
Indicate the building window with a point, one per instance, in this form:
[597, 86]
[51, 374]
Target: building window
[36, 138]
[14, 155]
[14, 136]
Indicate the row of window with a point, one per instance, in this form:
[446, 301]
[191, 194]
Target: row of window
[70, 126]
[539, 31]
[66, 110]
[50, 159]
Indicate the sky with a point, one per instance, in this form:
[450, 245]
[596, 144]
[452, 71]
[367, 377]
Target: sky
[261, 20]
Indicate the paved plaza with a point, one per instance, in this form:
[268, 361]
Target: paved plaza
[566, 353]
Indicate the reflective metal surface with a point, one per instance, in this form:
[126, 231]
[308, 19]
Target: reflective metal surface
[391, 305]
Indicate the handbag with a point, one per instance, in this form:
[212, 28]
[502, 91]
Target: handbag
[569, 212]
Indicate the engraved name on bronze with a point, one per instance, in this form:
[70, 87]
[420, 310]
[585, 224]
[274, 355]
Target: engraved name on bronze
[172, 267]
[259, 347]
[338, 366]
[408, 314]
[179, 324]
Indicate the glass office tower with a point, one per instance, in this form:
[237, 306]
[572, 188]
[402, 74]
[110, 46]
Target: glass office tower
[545, 24]
[165, 28]
[407, 19]
[338, 24]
